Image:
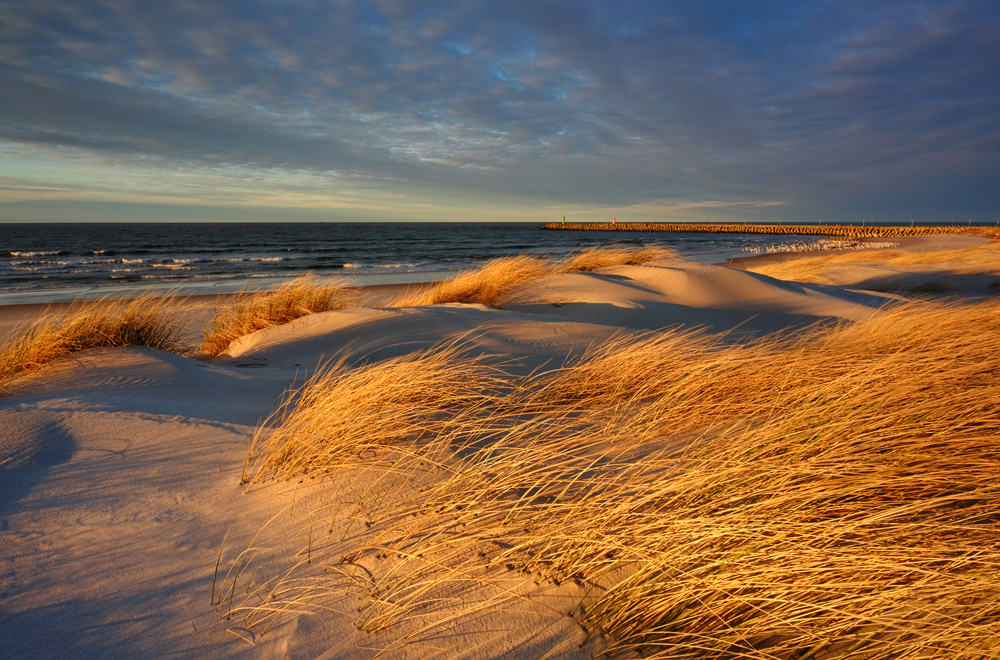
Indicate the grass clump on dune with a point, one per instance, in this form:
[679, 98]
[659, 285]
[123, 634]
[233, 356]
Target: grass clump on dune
[145, 322]
[606, 257]
[341, 412]
[833, 495]
[249, 312]
[485, 285]
[490, 283]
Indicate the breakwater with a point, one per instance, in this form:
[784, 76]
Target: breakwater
[847, 231]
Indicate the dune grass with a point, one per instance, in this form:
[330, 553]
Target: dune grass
[981, 259]
[591, 259]
[149, 322]
[828, 495]
[485, 285]
[370, 407]
[250, 311]
[490, 283]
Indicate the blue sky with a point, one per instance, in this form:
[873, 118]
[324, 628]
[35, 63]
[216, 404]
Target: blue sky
[514, 110]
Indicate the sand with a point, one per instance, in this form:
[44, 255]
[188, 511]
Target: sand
[121, 467]
[871, 275]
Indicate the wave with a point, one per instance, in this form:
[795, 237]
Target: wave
[38, 253]
[396, 265]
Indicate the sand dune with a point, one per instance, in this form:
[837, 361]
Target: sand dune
[957, 265]
[122, 466]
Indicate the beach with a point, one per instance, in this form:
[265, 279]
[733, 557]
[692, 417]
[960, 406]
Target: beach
[142, 515]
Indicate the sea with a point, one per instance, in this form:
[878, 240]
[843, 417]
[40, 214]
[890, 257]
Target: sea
[44, 263]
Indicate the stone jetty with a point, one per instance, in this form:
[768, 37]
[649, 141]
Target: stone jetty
[847, 231]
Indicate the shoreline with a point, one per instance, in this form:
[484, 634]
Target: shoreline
[905, 244]
[14, 314]
[845, 231]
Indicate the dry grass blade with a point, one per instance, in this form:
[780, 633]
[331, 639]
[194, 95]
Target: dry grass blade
[249, 311]
[148, 322]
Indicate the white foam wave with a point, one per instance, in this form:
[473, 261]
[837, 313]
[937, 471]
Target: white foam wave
[40, 253]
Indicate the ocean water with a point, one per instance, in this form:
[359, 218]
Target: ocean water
[64, 262]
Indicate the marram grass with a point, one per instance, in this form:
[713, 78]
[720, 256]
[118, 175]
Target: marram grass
[148, 322]
[370, 407]
[248, 312]
[833, 495]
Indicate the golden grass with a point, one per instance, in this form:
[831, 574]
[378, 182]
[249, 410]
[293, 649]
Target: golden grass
[490, 283]
[982, 259]
[831, 495]
[485, 285]
[342, 412]
[249, 311]
[146, 322]
[605, 257]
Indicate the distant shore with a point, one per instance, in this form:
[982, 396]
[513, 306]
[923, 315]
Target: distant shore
[848, 231]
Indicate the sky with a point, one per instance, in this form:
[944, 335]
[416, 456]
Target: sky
[513, 110]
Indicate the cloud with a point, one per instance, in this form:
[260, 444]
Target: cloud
[818, 105]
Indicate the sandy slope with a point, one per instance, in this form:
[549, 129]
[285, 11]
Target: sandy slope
[122, 469]
[941, 277]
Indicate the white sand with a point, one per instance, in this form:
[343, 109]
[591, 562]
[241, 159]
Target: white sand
[122, 470]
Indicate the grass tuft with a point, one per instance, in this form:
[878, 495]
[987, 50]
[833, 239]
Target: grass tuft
[485, 285]
[342, 412]
[606, 257]
[249, 312]
[145, 322]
